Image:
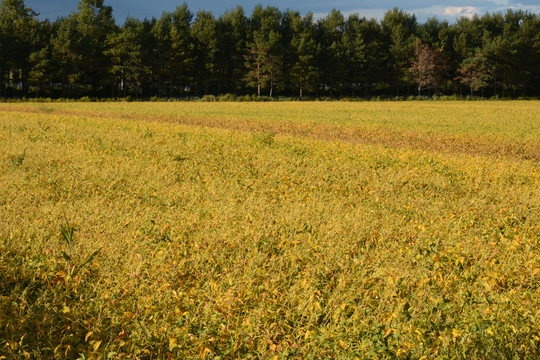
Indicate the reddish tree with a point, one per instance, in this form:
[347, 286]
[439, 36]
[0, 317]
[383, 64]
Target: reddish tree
[423, 69]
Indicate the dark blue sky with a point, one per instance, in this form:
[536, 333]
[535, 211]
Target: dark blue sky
[449, 9]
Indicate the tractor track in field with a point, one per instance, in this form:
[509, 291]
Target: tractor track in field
[481, 145]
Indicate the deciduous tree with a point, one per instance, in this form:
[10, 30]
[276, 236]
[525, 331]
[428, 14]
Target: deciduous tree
[423, 69]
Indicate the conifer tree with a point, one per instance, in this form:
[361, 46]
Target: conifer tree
[17, 28]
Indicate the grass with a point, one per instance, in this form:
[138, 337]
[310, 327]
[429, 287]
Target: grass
[270, 230]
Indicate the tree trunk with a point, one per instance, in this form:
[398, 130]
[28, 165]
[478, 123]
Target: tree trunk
[258, 79]
[504, 84]
[300, 92]
[23, 81]
[123, 85]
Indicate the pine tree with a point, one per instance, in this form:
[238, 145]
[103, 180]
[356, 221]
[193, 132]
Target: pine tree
[126, 53]
[264, 55]
[332, 57]
[81, 45]
[231, 32]
[182, 57]
[303, 69]
[399, 28]
[17, 27]
[205, 40]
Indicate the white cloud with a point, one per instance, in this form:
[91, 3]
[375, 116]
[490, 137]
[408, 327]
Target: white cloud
[458, 11]
[446, 12]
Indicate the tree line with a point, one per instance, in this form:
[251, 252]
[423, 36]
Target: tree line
[270, 52]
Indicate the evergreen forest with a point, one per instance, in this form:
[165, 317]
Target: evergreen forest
[270, 53]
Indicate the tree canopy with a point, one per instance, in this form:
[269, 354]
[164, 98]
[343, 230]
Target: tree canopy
[269, 52]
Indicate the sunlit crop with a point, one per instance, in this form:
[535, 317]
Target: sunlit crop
[270, 230]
